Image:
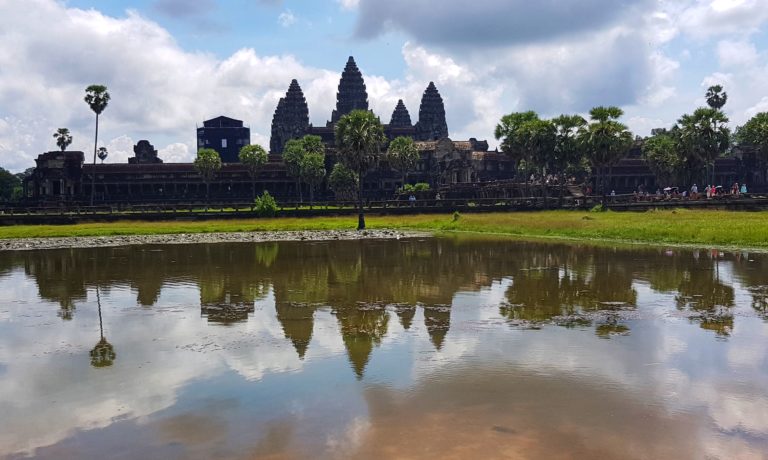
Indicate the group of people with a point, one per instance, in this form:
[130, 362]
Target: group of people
[710, 191]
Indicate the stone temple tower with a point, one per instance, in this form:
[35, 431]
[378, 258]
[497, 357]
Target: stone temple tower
[432, 125]
[400, 117]
[352, 94]
[291, 118]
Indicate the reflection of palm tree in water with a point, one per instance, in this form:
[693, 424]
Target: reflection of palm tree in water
[103, 354]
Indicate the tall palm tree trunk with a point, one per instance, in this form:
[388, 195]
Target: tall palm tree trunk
[93, 171]
[311, 195]
[360, 215]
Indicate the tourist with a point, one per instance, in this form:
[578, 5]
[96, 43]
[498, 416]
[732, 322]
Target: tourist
[743, 189]
[694, 192]
[412, 200]
[708, 191]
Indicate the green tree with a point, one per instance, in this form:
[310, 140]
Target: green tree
[754, 133]
[716, 97]
[293, 153]
[703, 138]
[403, 155]
[102, 154]
[103, 354]
[97, 97]
[63, 138]
[253, 157]
[537, 141]
[343, 182]
[8, 183]
[605, 141]
[507, 131]
[207, 164]
[567, 154]
[661, 152]
[359, 137]
[313, 172]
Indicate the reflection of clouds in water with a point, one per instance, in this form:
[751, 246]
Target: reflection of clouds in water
[159, 354]
[346, 442]
[666, 362]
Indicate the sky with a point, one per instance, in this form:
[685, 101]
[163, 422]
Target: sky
[171, 64]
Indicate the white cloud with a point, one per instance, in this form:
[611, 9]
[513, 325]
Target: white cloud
[349, 4]
[160, 92]
[736, 53]
[706, 18]
[286, 18]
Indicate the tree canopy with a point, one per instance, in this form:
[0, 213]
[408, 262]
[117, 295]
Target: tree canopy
[754, 133]
[605, 140]
[403, 155]
[97, 97]
[342, 181]
[207, 163]
[359, 137]
[63, 138]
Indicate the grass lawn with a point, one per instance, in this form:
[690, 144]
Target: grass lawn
[685, 227]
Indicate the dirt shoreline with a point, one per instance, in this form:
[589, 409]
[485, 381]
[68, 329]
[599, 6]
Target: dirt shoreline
[22, 244]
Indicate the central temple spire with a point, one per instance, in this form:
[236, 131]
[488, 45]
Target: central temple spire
[352, 94]
[291, 118]
[431, 125]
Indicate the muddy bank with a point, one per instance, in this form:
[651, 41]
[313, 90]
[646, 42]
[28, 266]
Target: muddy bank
[196, 238]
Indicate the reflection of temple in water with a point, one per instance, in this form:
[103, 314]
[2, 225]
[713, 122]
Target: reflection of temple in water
[362, 282]
[297, 320]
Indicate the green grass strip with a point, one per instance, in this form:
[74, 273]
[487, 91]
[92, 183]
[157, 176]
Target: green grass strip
[680, 227]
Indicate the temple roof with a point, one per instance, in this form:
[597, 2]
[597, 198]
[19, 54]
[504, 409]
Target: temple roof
[432, 124]
[352, 94]
[400, 117]
[223, 122]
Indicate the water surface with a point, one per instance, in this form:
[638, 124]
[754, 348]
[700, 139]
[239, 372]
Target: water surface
[417, 348]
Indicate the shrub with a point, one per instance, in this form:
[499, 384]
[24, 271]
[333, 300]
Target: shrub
[597, 208]
[421, 187]
[456, 216]
[265, 205]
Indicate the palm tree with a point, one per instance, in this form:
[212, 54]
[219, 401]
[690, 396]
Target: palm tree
[207, 163]
[253, 157]
[403, 155]
[716, 97]
[567, 152]
[102, 154]
[359, 137]
[103, 354]
[704, 136]
[537, 141]
[97, 98]
[605, 140]
[63, 138]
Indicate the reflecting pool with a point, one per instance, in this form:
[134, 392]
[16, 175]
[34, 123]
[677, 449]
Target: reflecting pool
[411, 348]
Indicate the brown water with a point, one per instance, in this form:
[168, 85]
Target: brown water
[432, 348]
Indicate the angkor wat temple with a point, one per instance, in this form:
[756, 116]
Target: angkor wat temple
[444, 163]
